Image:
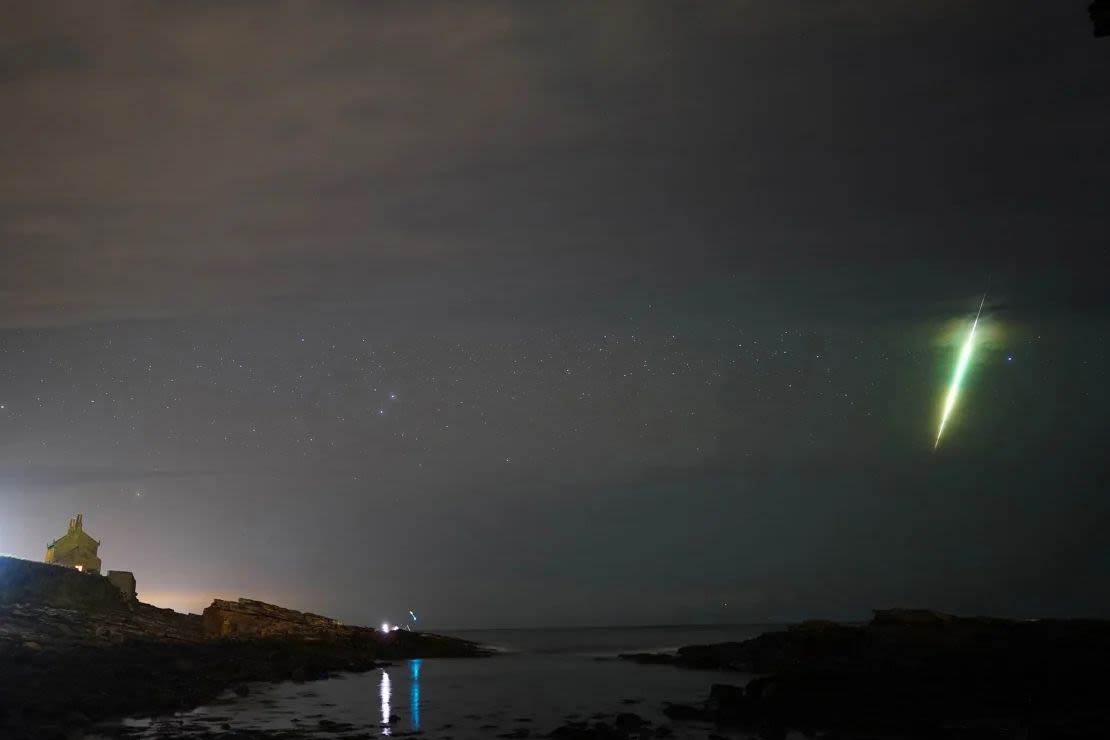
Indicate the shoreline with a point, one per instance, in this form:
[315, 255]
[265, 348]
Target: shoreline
[75, 653]
[909, 673]
[76, 656]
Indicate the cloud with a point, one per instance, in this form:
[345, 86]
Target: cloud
[221, 159]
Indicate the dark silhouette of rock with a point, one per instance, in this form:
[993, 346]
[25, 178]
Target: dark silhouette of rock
[1099, 11]
[684, 712]
[915, 673]
[629, 721]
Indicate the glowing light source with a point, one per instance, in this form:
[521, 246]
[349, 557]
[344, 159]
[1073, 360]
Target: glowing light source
[958, 376]
[385, 627]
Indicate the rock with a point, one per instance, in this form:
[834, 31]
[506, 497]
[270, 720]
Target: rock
[62, 632]
[629, 721]
[683, 712]
[772, 730]
[603, 731]
[247, 617]
[570, 730]
[914, 672]
[730, 705]
[328, 725]
[517, 734]
[1099, 11]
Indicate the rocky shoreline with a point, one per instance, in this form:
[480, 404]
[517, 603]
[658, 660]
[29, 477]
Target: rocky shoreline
[910, 674]
[74, 653]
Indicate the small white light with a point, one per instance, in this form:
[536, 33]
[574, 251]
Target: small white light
[385, 627]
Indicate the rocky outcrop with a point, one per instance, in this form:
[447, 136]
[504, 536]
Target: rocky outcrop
[1100, 16]
[56, 629]
[74, 649]
[249, 618]
[915, 673]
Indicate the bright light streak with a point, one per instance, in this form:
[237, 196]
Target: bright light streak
[958, 377]
[385, 692]
[414, 695]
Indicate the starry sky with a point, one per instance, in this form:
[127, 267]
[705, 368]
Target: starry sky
[560, 314]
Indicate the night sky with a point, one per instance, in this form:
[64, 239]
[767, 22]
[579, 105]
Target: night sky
[567, 313]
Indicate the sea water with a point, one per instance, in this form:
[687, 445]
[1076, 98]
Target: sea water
[537, 680]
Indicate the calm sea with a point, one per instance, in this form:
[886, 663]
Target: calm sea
[539, 679]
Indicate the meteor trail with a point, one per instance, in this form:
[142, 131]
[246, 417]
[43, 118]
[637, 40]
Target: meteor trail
[958, 376]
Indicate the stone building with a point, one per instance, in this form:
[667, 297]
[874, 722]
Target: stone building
[75, 549]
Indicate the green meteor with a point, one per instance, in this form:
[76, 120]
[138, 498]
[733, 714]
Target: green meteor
[958, 376]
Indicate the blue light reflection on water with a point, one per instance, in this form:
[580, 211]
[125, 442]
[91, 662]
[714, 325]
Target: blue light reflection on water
[414, 694]
[546, 675]
[385, 695]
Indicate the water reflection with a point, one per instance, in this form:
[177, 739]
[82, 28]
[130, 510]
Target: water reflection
[414, 695]
[386, 691]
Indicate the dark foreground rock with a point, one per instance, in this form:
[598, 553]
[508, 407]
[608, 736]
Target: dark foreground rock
[75, 652]
[625, 726]
[1099, 11]
[915, 674]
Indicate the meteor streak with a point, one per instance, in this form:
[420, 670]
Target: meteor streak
[958, 376]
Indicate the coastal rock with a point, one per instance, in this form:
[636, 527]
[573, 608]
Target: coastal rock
[1099, 11]
[76, 652]
[250, 618]
[914, 672]
[629, 721]
[682, 712]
